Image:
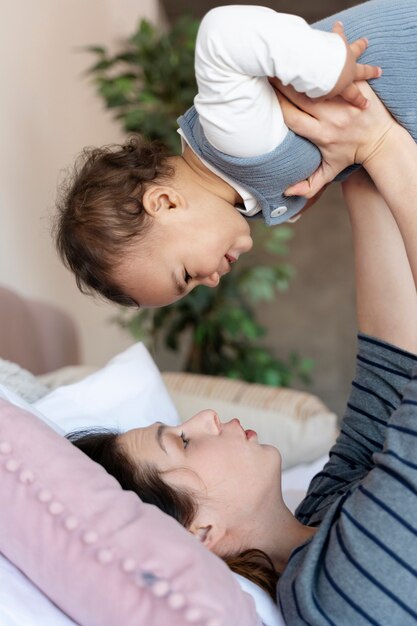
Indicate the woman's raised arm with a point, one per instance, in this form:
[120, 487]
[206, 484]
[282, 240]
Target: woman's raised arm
[386, 312]
[386, 298]
[392, 165]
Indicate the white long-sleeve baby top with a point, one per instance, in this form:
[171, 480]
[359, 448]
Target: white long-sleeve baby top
[237, 48]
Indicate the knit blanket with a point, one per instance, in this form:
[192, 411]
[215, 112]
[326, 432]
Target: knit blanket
[21, 381]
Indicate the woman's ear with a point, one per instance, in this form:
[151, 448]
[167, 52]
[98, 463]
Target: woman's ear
[209, 534]
[158, 199]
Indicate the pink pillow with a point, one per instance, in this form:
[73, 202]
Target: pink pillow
[98, 552]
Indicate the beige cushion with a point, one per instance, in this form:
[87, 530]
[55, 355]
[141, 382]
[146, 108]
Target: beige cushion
[297, 423]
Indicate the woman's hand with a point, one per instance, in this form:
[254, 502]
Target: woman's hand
[343, 133]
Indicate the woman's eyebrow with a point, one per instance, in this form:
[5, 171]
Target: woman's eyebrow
[159, 437]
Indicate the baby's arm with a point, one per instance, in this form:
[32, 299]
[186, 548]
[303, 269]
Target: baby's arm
[352, 72]
[237, 48]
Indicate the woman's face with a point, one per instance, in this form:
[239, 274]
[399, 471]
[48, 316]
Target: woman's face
[232, 475]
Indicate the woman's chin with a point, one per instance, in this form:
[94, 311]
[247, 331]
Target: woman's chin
[271, 450]
[274, 460]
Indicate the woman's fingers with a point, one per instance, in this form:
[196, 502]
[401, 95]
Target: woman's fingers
[311, 201]
[299, 189]
[305, 125]
[297, 120]
[313, 185]
[299, 99]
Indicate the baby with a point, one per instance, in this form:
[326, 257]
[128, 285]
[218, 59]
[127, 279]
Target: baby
[144, 228]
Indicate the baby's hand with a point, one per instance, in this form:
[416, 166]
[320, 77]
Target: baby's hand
[353, 71]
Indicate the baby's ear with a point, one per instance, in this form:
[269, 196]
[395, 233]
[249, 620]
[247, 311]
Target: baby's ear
[159, 198]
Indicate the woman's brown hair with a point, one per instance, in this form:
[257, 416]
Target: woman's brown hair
[103, 448]
[100, 212]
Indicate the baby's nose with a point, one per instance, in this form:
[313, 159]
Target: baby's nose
[212, 280]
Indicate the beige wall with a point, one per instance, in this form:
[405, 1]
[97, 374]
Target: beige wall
[48, 112]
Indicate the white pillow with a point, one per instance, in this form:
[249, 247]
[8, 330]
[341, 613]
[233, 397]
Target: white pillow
[23, 604]
[266, 608]
[127, 393]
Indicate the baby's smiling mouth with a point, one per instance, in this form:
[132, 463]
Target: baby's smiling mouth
[230, 258]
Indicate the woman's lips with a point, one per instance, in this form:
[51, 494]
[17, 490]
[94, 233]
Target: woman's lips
[230, 258]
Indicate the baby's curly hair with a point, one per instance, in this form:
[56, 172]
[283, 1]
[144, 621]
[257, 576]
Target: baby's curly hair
[100, 212]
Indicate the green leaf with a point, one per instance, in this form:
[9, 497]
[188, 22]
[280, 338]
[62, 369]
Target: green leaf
[101, 65]
[147, 97]
[259, 284]
[114, 92]
[272, 377]
[95, 49]
[277, 243]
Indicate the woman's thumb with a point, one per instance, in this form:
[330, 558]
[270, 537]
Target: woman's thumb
[308, 188]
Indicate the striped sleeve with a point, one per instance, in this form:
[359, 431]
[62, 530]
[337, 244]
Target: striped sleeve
[361, 566]
[382, 371]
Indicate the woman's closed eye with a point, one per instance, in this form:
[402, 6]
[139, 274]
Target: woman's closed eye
[184, 440]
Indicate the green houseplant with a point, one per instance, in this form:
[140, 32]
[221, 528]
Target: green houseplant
[148, 84]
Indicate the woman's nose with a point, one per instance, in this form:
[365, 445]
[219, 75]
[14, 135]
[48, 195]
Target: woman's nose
[207, 421]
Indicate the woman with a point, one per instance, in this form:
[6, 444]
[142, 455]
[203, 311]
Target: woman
[349, 555]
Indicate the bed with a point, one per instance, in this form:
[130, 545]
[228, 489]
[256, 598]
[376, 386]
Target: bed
[141, 567]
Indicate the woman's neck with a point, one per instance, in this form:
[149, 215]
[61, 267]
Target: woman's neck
[295, 535]
[280, 535]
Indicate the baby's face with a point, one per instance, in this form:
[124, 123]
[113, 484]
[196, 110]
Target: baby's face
[184, 248]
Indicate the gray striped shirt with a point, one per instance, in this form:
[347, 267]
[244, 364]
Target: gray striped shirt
[361, 566]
